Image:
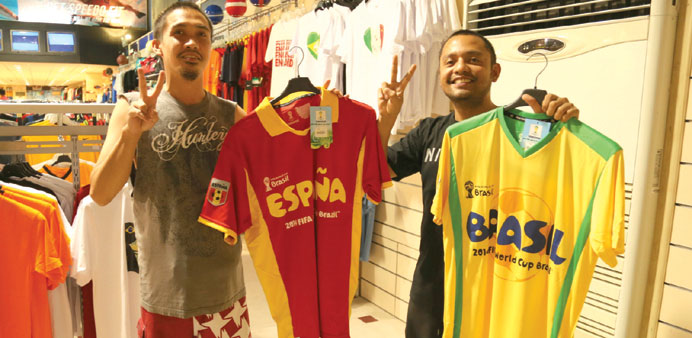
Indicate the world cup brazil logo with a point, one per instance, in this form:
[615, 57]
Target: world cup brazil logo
[469, 189]
[266, 183]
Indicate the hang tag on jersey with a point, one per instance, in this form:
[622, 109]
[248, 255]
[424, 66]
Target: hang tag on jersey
[321, 127]
[534, 131]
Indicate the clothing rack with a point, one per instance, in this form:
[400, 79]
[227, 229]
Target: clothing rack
[73, 146]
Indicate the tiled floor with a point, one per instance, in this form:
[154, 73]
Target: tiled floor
[264, 327]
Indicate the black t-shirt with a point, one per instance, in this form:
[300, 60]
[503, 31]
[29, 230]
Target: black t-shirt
[419, 151]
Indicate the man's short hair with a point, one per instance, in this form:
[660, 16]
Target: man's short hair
[488, 45]
[160, 23]
[2, 92]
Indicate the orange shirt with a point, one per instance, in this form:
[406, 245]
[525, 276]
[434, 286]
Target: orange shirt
[29, 259]
[211, 73]
[50, 209]
[65, 173]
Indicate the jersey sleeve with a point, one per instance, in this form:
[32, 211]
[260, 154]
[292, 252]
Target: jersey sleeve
[81, 265]
[61, 243]
[375, 172]
[271, 45]
[608, 211]
[405, 156]
[226, 207]
[343, 50]
[443, 181]
[47, 262]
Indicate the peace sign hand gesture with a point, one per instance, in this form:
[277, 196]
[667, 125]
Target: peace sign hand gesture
[142, 115]
[390, 96]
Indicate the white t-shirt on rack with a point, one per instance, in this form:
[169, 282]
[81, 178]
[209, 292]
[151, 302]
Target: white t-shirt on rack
[280, 41]
[104, 251]
[330, 42]
[311, 28]
[374, 33]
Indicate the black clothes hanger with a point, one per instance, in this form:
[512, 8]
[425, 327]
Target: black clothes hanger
[351, 4]
[324, 4]
[297, 84]
[18, 169]
[62, 159]
[30, 170]
[538, 94]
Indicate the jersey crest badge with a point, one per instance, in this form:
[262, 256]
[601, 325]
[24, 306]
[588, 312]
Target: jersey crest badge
[218, 192]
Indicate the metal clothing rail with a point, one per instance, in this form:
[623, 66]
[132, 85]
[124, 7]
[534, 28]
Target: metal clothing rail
[74, 146]
[229, 26]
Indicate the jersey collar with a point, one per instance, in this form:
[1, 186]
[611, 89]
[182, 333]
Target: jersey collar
[274, 125]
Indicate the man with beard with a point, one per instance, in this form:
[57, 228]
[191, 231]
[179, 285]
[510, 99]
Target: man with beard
[467, 70]
[191, 280]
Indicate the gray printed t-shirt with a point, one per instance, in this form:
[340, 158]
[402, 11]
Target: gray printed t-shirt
[186, 268]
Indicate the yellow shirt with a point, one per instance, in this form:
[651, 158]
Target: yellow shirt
[66, 173]
[523, 229]
[38, 158]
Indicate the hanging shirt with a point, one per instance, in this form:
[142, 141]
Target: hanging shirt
[310, 30]
[65, 173]
[329, 44]
[373, 35]
[277, 53]
[524, 226]
[37, 158]
[105, 252]
[301, 209]
[56, 244]
[25, 310]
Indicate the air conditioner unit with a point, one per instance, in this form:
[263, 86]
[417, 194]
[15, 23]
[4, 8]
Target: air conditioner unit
[613, 59]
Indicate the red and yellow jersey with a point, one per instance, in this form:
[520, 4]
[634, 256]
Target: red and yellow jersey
[299, 208]
[524, 227]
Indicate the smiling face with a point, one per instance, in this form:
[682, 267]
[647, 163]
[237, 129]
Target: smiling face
[466, 70]
[185, 44]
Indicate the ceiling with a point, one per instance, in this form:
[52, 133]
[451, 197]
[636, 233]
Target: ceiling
[48, 74]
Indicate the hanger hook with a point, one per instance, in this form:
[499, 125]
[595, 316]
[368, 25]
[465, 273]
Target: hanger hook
[535, 83]
[302, 56]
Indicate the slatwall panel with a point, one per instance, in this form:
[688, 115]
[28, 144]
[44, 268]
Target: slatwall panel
[675, 319]
[386, 278]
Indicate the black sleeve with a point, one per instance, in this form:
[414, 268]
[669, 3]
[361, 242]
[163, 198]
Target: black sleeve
[406, 156]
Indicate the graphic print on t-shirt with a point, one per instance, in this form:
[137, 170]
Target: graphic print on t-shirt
[281, 56]
[374, 37]
[313, 43]
[201, 132]
[131, 250]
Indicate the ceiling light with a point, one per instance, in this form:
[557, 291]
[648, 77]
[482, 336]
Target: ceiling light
[19, 68]
[128, 37]
[83, 70]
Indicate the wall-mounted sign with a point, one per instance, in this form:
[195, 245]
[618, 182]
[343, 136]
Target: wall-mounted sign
[108, 13]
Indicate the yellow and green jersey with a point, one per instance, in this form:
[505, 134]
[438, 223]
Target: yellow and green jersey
[523, 228]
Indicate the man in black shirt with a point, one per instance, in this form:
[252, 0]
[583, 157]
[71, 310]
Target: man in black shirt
[467, 70]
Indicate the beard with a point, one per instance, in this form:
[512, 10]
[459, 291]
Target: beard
[189, 75]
